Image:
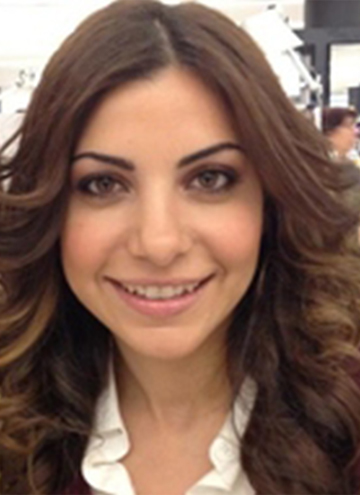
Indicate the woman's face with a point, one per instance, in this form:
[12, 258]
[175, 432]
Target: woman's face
[344, 136]
[162, 233]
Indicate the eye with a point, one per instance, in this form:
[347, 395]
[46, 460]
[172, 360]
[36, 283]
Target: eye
[214, 181]
[101, 185]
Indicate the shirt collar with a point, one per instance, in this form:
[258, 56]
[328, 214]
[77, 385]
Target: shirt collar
[225, 449]
[108, 415]
[109, 441]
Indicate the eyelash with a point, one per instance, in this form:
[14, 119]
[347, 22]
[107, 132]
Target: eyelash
[85, 184]
[231, 177]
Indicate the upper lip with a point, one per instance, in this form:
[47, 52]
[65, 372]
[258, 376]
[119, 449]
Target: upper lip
[160, 283]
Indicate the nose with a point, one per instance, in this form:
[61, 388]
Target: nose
[159, 234]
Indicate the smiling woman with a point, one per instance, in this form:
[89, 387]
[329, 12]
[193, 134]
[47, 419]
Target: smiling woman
[158, 232]
[180, 279]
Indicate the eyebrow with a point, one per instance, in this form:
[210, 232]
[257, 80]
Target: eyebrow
[187, 160]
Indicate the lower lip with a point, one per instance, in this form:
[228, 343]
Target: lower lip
[159, 308]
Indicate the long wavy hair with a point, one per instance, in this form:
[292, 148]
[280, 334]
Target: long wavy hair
[296, 331]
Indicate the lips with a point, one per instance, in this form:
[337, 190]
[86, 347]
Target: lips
[160, 307]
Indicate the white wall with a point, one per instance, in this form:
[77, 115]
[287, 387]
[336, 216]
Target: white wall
[30, 31]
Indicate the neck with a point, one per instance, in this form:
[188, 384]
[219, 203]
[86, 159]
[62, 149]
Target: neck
[174, 392]
[339, 148]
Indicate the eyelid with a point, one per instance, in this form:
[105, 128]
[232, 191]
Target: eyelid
[232, 173]
[214, 166]
[84, 182]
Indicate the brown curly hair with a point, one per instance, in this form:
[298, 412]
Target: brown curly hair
[296, 332]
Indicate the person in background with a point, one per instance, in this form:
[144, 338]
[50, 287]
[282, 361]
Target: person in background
[180, 293]
[308, 113]
[339, 126]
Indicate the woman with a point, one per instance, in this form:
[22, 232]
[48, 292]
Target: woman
[338, 125]
[181, 286]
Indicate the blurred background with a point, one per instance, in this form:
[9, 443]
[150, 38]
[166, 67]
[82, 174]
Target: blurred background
[313, 46]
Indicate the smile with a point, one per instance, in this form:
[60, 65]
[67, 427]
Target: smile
[154, 292]
[160, 299]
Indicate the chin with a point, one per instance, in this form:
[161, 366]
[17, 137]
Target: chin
[168, 352]
[162, 347]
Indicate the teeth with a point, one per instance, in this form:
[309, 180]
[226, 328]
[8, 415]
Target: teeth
[165, 292]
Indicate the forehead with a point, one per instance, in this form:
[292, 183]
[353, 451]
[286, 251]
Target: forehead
[172, 106]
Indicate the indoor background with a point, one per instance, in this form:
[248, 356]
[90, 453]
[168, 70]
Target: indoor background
[30, 31]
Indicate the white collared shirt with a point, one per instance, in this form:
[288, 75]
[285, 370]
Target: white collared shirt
[109, 443]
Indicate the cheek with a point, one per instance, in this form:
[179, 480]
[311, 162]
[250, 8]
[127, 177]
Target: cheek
[236, 235]
[85, 244]
[239, 249]
[346, 135]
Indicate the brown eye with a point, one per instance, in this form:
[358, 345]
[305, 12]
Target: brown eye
[214, 181]
[101, 186]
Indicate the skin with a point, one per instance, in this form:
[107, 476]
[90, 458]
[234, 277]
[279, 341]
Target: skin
[163, 221]
[167, 226]
[343, 138]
